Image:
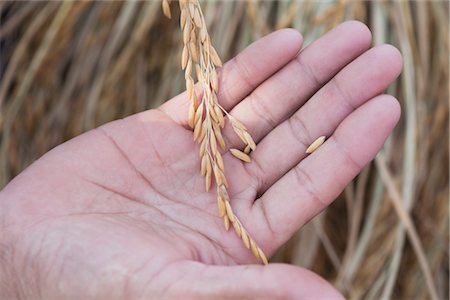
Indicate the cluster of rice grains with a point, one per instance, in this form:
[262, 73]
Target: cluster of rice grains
[206, 116]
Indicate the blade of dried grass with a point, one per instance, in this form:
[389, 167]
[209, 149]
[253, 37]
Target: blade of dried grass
[17, 101]
[12, 23]
[404, 33]
[355, 217]
[407, 223]
[117, 36]
[326, 242]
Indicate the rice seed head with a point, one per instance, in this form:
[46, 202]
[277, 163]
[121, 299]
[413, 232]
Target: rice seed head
[207, 117]
[316, 144]
[241, 155]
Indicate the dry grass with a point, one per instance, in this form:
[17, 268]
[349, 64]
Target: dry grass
[206, 116]
[360, 243]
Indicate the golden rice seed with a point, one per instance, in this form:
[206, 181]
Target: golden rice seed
[197, 19]
[205, 54]
[203, 166]
[186, 33]
[215, 57]
[249, 140]
[214, 81]
[198, 70]
[182, 19]
[247, 149]
[236, 123]
[219, 115]
[191, 114]
[244, 238]
[203, 132]
[212, 113]
[220, 140]
[208, 181]
[224, 180]
[219, 161]
[221, 206]
[193, 50]
[216, 172]
[222, 191]
[188, 71]
[197, 129]
[240, 134]
[191, 8]
[226, 223]
[195, 99]
[203, 34]
[207, 44]
[166, 9]
[254, 249]
[199, 113]
[241, 155]
[237, 229]
[228, 209]
[316, 144]
[189, 87]
[213, 143]
[208, 165]
[202, 148]
[184, 57]
[262, 256]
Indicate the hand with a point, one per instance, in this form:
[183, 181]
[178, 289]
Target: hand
[120, 212]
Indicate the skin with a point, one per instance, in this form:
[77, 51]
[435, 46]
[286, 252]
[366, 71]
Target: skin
[120, 212]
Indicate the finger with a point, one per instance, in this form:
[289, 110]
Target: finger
[317, 180]
[275, 281]
[242, 74]
[364, 78]
[287, 90]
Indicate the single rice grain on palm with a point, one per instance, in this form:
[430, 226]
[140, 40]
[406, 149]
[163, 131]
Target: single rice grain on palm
[207, 117]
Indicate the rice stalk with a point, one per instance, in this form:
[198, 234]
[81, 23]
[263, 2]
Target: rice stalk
[206, 117]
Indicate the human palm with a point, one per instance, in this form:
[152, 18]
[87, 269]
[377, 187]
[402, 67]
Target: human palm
[121, 211]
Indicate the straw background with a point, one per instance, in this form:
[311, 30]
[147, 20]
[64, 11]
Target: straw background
[66, 67]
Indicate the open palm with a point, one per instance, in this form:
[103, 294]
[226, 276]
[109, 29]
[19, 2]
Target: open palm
[121, 212]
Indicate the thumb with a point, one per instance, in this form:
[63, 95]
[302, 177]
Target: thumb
[193, 280]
